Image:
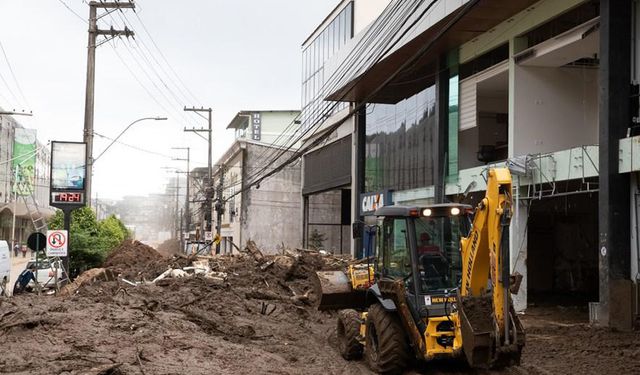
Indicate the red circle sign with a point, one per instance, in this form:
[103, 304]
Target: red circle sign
[56, 240]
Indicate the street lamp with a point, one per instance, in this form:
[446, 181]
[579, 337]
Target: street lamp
[125, 129]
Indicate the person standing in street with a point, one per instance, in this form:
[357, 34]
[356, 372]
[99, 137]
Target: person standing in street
[23, 280]
[16, 249]
[24, 251]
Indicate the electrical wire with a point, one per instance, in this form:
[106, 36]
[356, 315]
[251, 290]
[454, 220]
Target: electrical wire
[135, 147]
[27, 155]
[148, 56]
[179, 84]
[175, 113]
[424, 49]
[346, 65]
[13, 75]
[144, 65]
[73, 11]
[335, 79]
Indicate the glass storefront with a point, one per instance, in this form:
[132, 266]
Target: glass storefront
[400, 142]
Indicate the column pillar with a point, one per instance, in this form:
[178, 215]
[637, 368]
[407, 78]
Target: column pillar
[614, 197]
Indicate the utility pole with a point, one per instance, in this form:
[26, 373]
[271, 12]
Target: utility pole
[187, 212]
[178, 234]
[219, 206]
[91, 75]
[209, 184]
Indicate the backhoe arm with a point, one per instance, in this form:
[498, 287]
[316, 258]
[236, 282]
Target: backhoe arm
[485, 303]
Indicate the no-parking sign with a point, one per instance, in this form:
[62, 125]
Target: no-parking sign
[57, 243]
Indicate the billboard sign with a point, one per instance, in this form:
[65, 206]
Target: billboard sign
[68, 166]
[256, 126]
[370, 202]
[24, 161]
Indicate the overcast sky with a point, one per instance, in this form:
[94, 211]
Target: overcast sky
[230, 55]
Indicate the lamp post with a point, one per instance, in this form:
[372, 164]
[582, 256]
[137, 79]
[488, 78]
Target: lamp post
[187, 212]
[123, 131]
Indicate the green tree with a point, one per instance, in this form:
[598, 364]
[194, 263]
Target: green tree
[316, 240]
[90, 240]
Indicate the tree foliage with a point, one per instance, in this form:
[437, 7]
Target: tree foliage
[90, 240]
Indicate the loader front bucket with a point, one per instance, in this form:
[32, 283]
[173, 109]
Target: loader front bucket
[478, 330]
[337, 292]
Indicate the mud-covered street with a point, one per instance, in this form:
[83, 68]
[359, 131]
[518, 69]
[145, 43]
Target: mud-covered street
[249, 318]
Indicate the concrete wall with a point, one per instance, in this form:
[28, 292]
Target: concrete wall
[271, 215]
[555, 109]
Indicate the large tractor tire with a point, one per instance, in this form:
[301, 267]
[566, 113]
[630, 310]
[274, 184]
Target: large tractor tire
[348, 330]
[386, 348]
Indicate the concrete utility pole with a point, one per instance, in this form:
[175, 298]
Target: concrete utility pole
[177, 223]
[209, 184]
[219, 206]
[187, 212]
[91, 76]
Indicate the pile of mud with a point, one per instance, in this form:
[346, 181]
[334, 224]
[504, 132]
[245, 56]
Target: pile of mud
[133, 259]
[169, 247]
[260, 319]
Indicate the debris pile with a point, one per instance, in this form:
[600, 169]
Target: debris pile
[169, 247]
[144, 313]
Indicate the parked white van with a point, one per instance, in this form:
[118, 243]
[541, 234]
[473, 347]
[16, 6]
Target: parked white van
[5, 266]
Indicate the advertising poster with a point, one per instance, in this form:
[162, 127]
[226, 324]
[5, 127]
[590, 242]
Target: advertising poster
[24, 161]
[68, 169]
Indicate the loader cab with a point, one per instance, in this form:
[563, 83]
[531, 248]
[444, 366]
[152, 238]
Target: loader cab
[421, 246]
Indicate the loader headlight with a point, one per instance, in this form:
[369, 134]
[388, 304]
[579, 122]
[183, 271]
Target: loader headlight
[455, 211]
[426, 212]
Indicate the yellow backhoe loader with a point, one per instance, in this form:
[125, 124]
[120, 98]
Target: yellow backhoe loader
[439, 286]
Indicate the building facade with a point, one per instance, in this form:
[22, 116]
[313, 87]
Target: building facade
[443, 90]
[328, 128]
[17, 206]
[268, 214]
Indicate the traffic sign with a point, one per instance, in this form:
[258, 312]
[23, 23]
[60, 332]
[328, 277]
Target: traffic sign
[57, 243]
[37, 241]
[208, 236]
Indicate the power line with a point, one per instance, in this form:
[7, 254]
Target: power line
[73, 11]
[4, 53]
[140, 149]
[319, 113]
[143, 51]
[186, 87]
[346, 66]
[140, 62]
[357, 107]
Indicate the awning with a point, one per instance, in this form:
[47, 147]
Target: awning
[328, 168]
[480, 18]
[22, 211]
